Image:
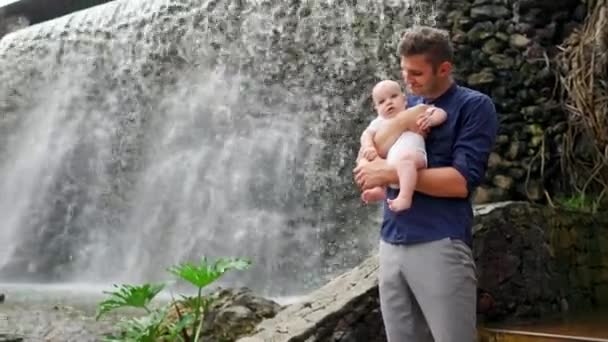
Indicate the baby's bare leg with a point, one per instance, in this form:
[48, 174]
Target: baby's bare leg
[374, 194]
[407, 170]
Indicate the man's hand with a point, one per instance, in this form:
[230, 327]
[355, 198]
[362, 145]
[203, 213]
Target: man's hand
[369, 153]
[375, 173]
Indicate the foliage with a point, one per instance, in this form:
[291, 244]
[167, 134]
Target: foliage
[190, 311]
[580, 202]
[583, 68]
[128, 295]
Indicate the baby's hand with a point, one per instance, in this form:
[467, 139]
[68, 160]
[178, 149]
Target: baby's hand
[370, 153]
[427, 120]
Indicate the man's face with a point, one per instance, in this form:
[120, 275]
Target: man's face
[419, 76]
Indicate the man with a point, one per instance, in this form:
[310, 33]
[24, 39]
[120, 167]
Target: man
[427, 275]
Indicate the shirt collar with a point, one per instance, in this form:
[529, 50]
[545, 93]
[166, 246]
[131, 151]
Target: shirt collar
[445, 94]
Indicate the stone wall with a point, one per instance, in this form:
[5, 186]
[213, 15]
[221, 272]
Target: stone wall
[505, 48]
[532, 261]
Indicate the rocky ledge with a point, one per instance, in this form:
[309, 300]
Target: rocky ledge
[531, 261]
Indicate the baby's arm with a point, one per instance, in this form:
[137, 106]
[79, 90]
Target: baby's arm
[435, 117]
[368, 150]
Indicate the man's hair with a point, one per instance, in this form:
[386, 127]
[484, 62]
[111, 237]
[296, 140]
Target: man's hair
[424, 40]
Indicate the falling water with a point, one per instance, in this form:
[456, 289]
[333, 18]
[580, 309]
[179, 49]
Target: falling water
[141, 133]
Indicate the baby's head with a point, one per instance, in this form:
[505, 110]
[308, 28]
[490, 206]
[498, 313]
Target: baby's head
[388, 98]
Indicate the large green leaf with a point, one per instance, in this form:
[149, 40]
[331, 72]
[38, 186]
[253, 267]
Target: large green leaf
[205, 272]
[138, 296]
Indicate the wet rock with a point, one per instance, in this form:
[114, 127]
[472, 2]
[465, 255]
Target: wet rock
[502, 61]
[491, 47]
[233, 313]
[519, 41]
[481, 31]
[515, 149]
[484, 12]
[503, 182]
[481, 78]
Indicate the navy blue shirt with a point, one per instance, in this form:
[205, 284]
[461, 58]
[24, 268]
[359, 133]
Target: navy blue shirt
[464, 141]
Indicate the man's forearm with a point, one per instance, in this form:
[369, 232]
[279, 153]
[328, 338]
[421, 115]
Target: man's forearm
[442, 182]
[438, 182]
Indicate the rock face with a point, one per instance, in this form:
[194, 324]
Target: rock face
[505, 49]
[346, 309]
[236, 313]
[531, 261]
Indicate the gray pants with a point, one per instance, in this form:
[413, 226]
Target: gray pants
[428, 292]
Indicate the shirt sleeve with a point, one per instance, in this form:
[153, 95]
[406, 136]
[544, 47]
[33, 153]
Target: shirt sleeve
[475, 140]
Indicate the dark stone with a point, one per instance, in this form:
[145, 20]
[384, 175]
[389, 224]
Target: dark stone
[481, 31]
[483, 77]
[492, 47]
[580, 12]
[2, 297]
[502, 61]
[232, 313]
[547, 33]
[485, 12]
[519, 41]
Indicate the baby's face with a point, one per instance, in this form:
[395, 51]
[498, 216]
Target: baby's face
[388, 99]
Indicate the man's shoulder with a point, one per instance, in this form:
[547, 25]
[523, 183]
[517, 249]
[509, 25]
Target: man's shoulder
[479, 107]
[470, 94]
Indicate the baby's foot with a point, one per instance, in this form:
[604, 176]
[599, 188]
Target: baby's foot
[399, 204]
[372, 195]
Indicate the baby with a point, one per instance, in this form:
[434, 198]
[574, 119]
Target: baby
[408, 153]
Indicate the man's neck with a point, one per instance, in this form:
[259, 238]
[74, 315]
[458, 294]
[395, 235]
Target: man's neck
[441, 89]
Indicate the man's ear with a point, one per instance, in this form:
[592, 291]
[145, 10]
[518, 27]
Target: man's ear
[444, 69]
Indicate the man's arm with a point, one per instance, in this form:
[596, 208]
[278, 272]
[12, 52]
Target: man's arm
[474, 142]
[439, 182]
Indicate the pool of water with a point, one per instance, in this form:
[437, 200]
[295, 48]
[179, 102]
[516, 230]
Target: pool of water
[56, 312]
[588, 326]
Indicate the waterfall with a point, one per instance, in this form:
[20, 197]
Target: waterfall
[142, 133]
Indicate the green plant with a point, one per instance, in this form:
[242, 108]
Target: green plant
[141, 329]
[202, 275]
[190, 312]
[129, 296]
[580, 202]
